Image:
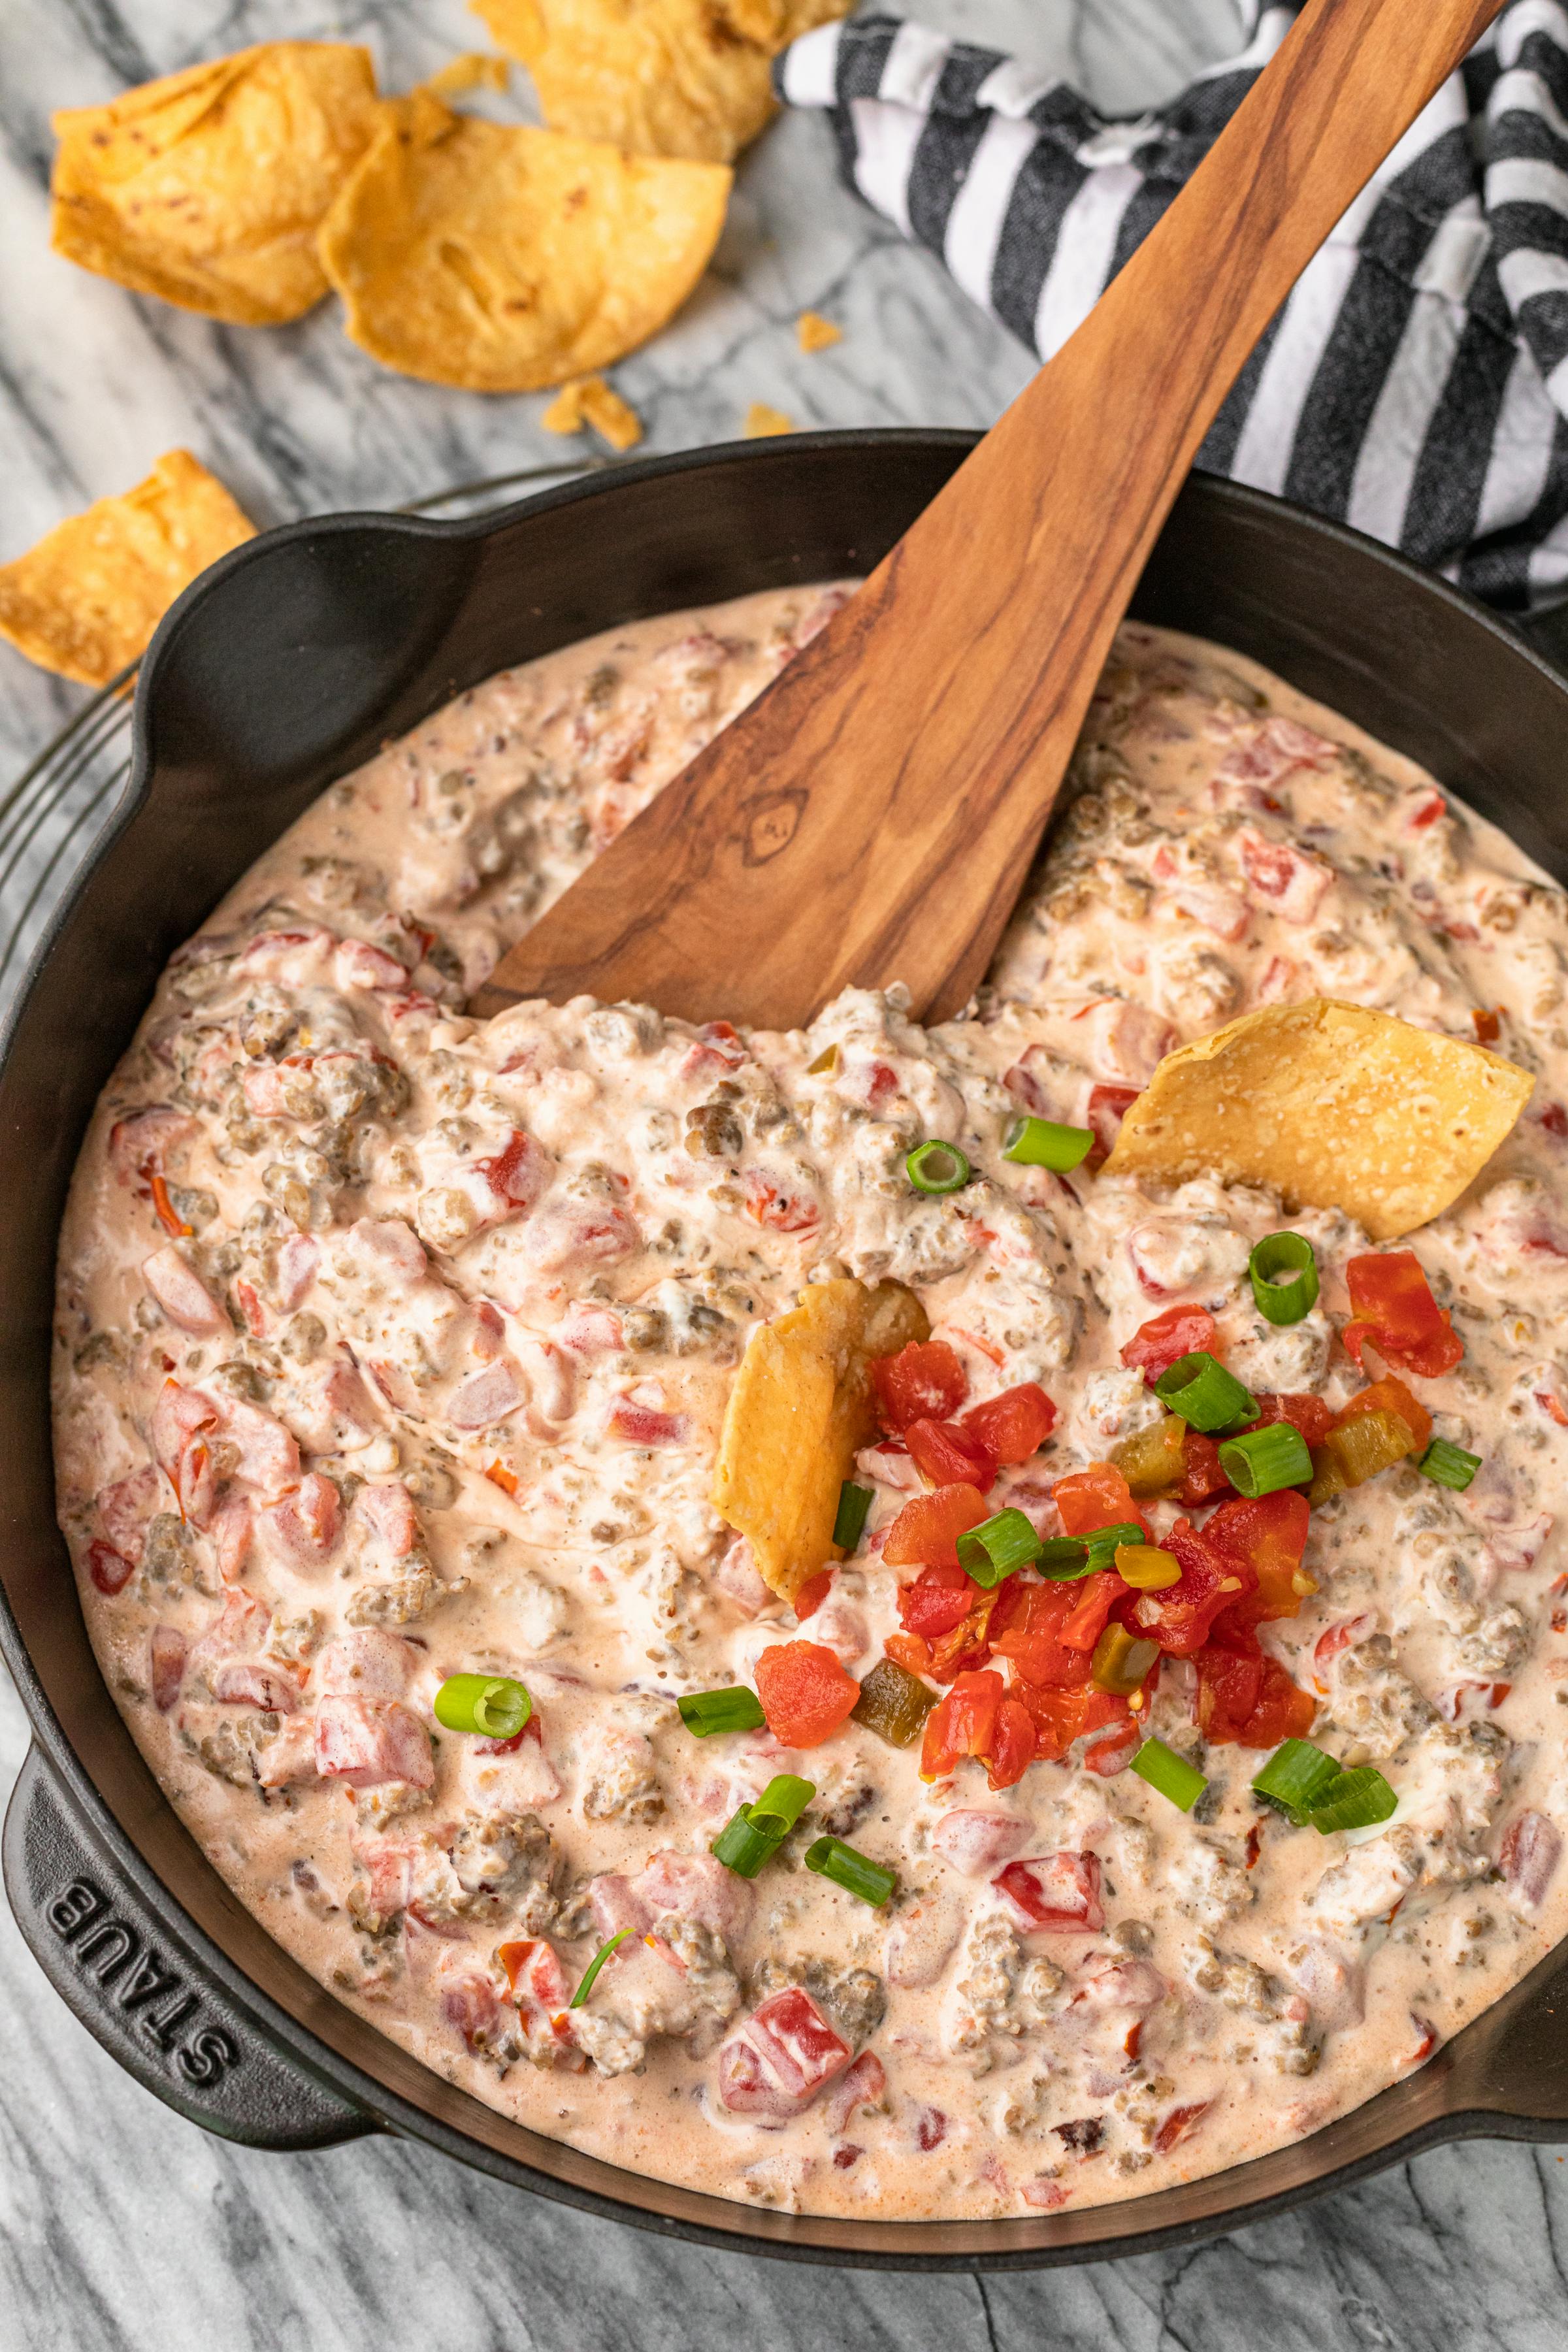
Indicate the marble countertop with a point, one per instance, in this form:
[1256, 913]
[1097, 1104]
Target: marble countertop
[122, 2226]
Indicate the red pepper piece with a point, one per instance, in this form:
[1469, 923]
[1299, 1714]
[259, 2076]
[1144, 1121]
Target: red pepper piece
[1267, 1538]
[1181, 1616]
[1394, 1310]
[1012, 1748]
[1310, 1414]
[925, 1533]
[1015, 1424]
[1033, 1639]
[812, 1594]
[1097, 1596]
[1203, 1478]
[961, 1724]
[947, 1455]
[938, 1599]
[924, 1381]
[1155, 1346]
[805, 1694]
[1096, 1497]
[1248, 1700]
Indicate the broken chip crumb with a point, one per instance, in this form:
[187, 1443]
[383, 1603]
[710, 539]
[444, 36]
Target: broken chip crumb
[86, 600]
[762, 422]
[474, 70]
[499, 258]
[591, 401]
[1335, 1106]
[799, 1409]
[205, 187]
[816, 333]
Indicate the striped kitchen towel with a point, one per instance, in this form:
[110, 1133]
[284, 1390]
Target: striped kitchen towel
[1416, 382]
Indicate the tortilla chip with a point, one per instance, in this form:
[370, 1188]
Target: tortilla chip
[86, 600]
[798, 1412]
[1335, 1106]
[207, 188]
[475, 69]
[592, 402]
[813, 332]
[762, 422]
[656, 77]
[503, 259]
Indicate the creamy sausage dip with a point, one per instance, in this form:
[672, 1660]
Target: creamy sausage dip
[393, 1346]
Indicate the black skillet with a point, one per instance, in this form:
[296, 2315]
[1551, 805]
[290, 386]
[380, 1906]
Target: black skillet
[289, 663]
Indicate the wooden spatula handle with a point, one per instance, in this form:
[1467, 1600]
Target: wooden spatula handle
[872, 816]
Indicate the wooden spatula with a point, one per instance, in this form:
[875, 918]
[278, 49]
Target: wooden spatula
[871, 816]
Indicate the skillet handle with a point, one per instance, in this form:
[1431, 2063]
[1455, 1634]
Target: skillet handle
[1545, 632]
[150, 2003]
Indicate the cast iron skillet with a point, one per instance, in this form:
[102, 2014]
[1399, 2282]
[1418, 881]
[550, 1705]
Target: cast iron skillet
[286, 666]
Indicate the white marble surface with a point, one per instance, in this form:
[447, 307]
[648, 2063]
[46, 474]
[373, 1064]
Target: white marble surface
[122, 2226]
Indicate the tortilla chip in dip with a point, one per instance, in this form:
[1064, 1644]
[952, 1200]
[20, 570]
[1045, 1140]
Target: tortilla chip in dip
[87, 597]
[656, 77]
[798, 1412]
[1335, 1106]
[501, 258]
[207, 188]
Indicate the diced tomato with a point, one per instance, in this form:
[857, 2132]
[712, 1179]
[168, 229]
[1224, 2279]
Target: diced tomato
[110, 1569]
[1554, 1119]
[533, 1972]
[1096, 1497]
[1203, 1477]
[1033, 1637]
[1388, 1395]
[925, 1533]
[1178, 2124]
[1015, 1425]
[947, 1455]
[1062, 1716]
[167, 1214]
[1268, 1535]
[499, 1476]
[1488, 1026]
[924, 1381]
[1012, 1749]
[777, 2060]
[1155, 1346]
[1246, 1699]
[1308, 1413]
[805, 1694]
[1108, 1106]
[781, 1206]
[937, 1601]
[1115, 1748]
[1392, 1309]
[961, 1724]
[812, 1594]
[644, 1424]
[1180, 1617]
[1096, 1598]
[1059, 1892]
[518, 1172]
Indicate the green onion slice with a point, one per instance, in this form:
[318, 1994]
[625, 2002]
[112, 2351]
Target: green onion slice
[997, 1547]
[1063, 1559]
[737, 1709]
[833, 1859]
[1262, 1461]
[850, 1524]
[1449, 1465]
[742, 1847]
[1170, 1773]
[783, 1801]
[938, 1166]
[1041, 1143]
[1104, 1542]
[1296, 1777]
[1355, 1800]
[1284, 1254]
[1205, 1395]
[491, 1706]
[595, 1965]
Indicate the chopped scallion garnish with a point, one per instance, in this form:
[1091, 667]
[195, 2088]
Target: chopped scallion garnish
[1170, 1773]
[936, 1167]
[493, 1706]
[742, 1847]
[1263, 1461]
[1105, 1542]
[1295, 1776]
[854, 1872]
[1064, 1558]
[997, 1547]
[1449, 1465]
[1204, 1394]
[850, 1524]
[595, 1965]
[1355, 1801]
[736, 1710]
[1284, 1254]
[783, 1801]
[1041, 1143]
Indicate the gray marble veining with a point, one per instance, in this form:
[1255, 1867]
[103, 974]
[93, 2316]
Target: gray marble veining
[122, 2226]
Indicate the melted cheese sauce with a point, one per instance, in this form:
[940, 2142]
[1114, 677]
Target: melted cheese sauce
[392, 1346]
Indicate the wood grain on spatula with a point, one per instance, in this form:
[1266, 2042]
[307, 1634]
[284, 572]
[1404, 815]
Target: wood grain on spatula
[871, 816]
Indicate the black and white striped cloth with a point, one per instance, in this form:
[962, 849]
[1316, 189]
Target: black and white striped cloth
[1416, 382]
